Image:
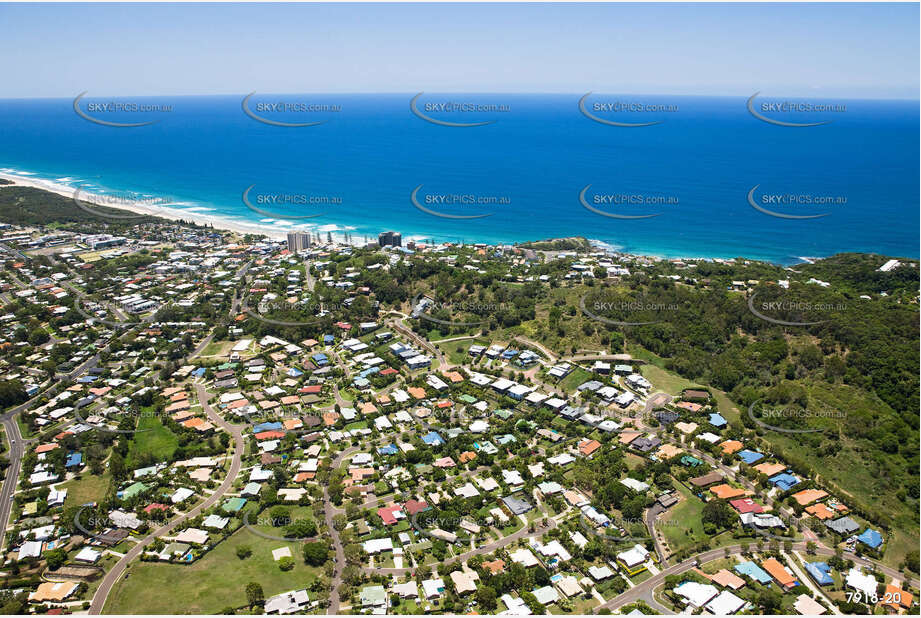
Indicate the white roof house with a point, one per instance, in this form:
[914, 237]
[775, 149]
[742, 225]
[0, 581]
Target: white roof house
[87, 554]
[563, 459]
[546, 595]
[462, 582]
[287, 602]
[635, 485]
[30, 549]
[634, 556]
[725, 603]
[376, 546]
[523, 557]
[696, 595]
[860, 581]
[407, 590]
[183, 493]
[487, 484]
[467, 491]
[433, 588]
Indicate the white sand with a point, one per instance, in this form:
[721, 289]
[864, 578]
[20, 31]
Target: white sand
[266, 227]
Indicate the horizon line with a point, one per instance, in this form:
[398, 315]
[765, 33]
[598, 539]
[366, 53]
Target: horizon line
[762, 93]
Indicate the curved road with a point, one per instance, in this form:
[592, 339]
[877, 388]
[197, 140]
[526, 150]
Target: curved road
[110, 579]
[329, 511]
[644, 591]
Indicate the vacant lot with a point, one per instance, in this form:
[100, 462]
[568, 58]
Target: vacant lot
[153, 438]
[88, 488]
[211, 584]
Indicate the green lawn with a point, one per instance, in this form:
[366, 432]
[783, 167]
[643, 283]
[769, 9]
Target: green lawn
[157, 440]
[456, 351]
[218, 348]
[666, 381]
[682, 525]
[212, 583]
[575, 378]
[88, 488]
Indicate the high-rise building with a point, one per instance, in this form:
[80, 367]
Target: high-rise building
[390, 239]
[298, 241]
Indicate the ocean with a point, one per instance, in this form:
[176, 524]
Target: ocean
[713, 176]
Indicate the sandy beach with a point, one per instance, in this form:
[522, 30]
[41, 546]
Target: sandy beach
[160, 207]
[151, 206]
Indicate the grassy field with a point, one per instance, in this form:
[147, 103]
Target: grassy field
[211, 584]
[89, 488]
[456, 351]
[574, 379]
[218, 348]
[156, 440]
[682, 525]
[666, 381]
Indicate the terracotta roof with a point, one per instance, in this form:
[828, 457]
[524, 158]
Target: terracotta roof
[727, 579]
[808, 496]
[778, 572]
[587, 447]
[820, 511]
[731, 446]
[725, 491]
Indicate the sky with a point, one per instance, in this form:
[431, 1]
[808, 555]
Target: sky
[834, 50]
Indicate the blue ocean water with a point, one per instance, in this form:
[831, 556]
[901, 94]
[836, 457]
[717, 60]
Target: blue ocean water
[529, 164]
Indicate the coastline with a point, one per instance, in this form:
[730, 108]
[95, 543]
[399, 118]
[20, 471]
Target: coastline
[141, 208]
[200, 215]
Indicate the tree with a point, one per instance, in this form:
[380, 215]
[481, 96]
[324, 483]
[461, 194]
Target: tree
[56, 558]
[286, 563]
[316, 554]
[280, 516]
[486, 597]
[718, 513]
[244, 552]
[301, 529]
[254, 593]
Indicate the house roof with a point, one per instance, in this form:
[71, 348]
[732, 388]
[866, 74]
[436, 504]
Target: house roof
[778, 572]
[725, 491]
[808, 496]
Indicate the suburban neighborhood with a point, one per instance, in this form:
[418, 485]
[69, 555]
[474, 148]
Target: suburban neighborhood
[202, 422]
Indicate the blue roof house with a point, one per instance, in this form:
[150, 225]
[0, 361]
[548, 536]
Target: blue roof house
[820, 572]
[433, 439]
[750, 457]
[871, 538]
[754, 571]
[785, 481]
